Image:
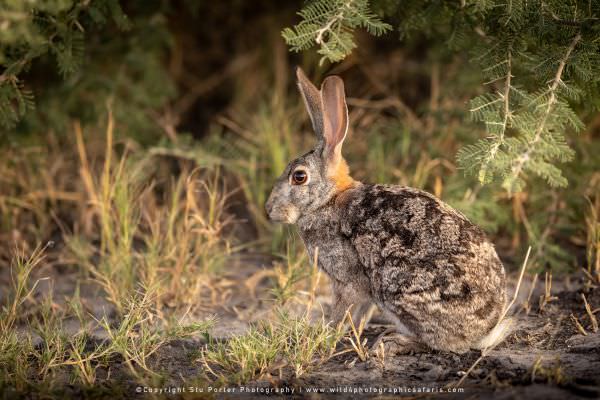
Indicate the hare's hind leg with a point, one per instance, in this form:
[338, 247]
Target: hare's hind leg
[397, 339]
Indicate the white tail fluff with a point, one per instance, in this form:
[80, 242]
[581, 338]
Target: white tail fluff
[505, 324]
[497, 334]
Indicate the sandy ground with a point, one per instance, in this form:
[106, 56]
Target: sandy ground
[545, 357]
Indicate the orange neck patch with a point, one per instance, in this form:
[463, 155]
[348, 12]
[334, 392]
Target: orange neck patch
[341, 176]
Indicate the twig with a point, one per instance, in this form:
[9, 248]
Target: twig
[394, 99]
[523, 268]
[578, 325]
[547, 296]
[434, 97]
[588, 309]
[552, 219]
[527, 305]
[315, 282]
[506, 113]
[327, 28]
[357, 343]
[486, 350]
[567, 22]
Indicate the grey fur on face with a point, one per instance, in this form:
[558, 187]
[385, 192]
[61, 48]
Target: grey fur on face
[421, 262]
[287, 201]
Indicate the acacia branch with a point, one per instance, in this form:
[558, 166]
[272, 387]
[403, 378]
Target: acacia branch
[505, 97]
[328, 27]
[525, 157]
[506, 106]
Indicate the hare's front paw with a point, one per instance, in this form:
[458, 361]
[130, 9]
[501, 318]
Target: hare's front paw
[392, 343]
[349, 298]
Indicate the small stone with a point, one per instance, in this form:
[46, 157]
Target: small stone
[434, 373]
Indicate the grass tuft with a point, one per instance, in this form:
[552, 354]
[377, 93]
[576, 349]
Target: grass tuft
[269, 346]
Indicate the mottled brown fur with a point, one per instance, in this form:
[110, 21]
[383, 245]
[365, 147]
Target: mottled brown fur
[424, 264]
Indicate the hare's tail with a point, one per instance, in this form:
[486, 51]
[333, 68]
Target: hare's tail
[497, 334]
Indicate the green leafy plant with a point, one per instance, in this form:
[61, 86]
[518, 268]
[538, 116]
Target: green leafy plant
[284, 341]
[34, 29]
[330, 25]
[65, 43]
[539, 59]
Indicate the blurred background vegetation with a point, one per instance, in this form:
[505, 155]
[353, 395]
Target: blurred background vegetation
[140, 139]
[195, 85]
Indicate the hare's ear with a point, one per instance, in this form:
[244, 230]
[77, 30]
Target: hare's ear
[312, 101]
[335, 117]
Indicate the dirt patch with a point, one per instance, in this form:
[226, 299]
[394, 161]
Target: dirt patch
[546, 356]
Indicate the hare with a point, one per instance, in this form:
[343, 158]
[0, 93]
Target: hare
[424, 264]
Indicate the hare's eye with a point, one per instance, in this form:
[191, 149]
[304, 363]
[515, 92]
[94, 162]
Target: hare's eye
[299, 177]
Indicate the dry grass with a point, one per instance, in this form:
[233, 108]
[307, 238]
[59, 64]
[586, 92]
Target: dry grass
[592, 223]
[272, 345]
[290, 338]
[547, 297]
[173, 243]
[135, 338]
[290, 275]
[552, 373]
[155, 245]
[357, 341]
[151, 244]
[590, 314]
[13, 348]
